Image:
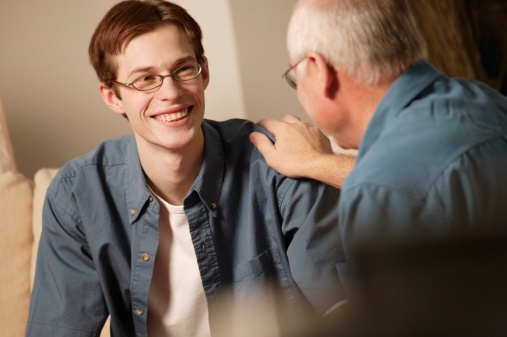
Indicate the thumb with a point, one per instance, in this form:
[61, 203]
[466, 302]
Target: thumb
[262, 143]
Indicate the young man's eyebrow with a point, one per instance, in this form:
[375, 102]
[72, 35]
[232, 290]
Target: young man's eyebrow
[150, 69]
[140, 70]
[184, 60]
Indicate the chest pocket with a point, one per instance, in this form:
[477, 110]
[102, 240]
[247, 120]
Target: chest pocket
[264, 278]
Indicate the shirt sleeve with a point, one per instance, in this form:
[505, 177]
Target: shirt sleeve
[310, 213]
[373, 212]
[372, 209]
[66, 298]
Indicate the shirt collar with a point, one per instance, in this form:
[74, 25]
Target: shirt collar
[137, 192]
[403, 91]
[207, 186]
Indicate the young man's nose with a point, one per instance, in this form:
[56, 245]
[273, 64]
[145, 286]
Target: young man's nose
[170, 88]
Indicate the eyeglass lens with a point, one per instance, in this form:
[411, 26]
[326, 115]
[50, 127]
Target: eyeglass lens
[152, 81]
[291, 78]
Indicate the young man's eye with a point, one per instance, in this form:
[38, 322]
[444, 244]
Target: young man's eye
[147, 78]
[187, 68]
[186, 72]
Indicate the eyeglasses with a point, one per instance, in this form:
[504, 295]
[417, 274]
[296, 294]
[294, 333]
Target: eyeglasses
[153, 81]
[290, 75]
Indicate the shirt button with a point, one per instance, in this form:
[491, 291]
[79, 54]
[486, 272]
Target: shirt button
[151, 199]
[132, 212]
[203, 248]
[139, 311]
[145, 257]
[213, 205]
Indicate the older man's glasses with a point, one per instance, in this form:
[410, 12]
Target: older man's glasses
[290, 75]
[153, 81]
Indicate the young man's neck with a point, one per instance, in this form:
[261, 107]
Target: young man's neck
[171, 174]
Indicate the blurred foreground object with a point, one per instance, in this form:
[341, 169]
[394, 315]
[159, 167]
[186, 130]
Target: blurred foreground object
[452, 285]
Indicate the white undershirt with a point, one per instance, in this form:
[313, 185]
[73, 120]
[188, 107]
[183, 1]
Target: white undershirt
[177, 304]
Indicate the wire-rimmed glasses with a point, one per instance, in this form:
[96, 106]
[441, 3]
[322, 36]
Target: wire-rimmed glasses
[153, 81]
[290, 75]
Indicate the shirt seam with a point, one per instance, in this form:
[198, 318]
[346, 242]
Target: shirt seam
[54, 200]
[288, 183]
[419, 198]
[62, 326]
[460, 156]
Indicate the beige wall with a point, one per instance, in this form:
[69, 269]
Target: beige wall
[49, 90]
[260, 27]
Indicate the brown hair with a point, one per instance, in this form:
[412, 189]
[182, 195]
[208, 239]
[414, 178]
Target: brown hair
[129, 19]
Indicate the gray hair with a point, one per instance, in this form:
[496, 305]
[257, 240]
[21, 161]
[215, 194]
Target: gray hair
[371, 40]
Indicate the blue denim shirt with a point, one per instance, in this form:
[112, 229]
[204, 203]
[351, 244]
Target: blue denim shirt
[249, 225]
[433, 159]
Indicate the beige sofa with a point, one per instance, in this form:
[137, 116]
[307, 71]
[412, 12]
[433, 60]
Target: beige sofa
[21, 201]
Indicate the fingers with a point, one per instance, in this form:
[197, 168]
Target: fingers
[291, 119]
[270, 124]
[262, 143]
[294, 119]
[273, 124]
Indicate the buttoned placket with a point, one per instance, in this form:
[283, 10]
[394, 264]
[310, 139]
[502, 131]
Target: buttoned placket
[200, 218]
[144, 247]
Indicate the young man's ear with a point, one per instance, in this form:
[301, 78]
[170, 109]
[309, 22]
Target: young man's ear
[110, 98]
[327, 80]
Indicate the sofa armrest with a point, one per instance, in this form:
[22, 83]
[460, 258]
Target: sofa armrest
[16, 241]
[7, 162]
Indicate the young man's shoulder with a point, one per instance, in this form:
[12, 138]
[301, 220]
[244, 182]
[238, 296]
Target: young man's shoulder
[109, 154]
[236, 130]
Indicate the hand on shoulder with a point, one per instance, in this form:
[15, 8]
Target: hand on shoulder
[300, 150]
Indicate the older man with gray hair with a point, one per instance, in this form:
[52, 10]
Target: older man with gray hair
[432, 149]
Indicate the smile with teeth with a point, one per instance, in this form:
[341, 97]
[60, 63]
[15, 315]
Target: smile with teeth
[172, 116]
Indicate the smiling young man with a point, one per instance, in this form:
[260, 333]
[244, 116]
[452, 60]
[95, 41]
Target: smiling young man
[167, 120]
[149, 229]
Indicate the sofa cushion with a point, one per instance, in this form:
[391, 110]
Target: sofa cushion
[7, 162]
[16, 240]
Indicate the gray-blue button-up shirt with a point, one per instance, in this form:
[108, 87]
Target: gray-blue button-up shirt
[248, 225]
[433, 159]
